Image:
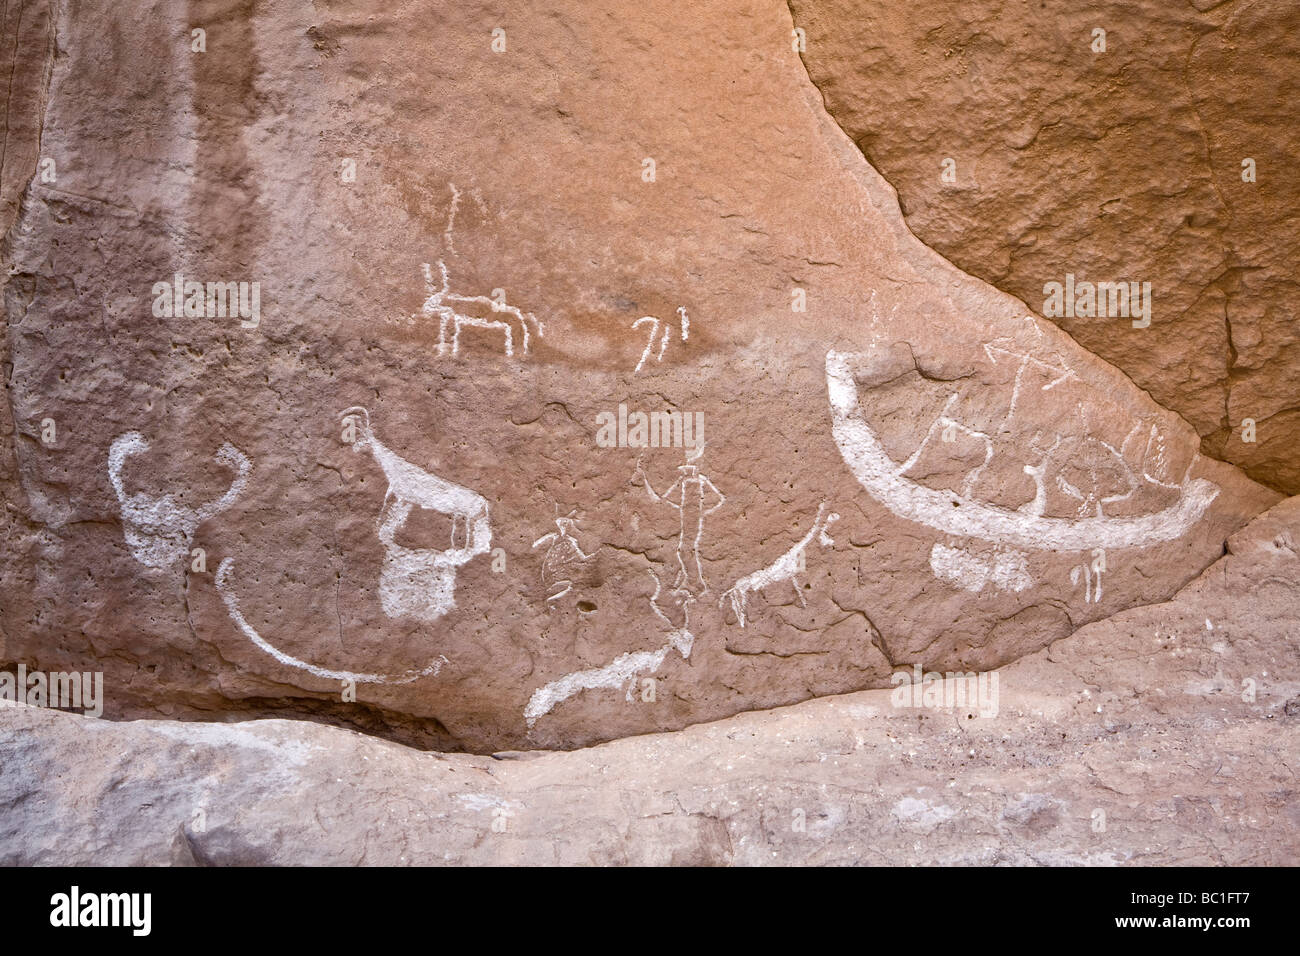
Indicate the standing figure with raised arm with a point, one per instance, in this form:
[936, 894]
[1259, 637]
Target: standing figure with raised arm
[690, 495]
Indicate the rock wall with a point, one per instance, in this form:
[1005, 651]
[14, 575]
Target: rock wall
[1119, 157]
[404, 489]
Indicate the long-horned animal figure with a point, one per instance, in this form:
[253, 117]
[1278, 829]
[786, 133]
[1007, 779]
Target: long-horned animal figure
[1090, 571]
[783, 568]
[159, 530]
[436, 305]
[421, 583]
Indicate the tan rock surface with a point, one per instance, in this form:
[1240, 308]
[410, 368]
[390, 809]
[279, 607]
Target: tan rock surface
[1116, 165]
[996, 486]
[1130, 742]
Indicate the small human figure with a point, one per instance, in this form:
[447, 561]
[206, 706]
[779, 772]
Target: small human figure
[690, 491]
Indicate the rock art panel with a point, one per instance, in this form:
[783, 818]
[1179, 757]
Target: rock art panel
[1073, 736]
[421, 583]
[840, 366]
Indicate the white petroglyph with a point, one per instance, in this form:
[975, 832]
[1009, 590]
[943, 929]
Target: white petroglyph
[949, 426]
[1058, 370]
[158, 531]
[693, 490]
[614, 674]
[1155, 466]
[654, 331]
[421, 583]
[436, 304]
[564, 557]
[784, 568]
[683, 595]
[226, 589]
[1006, 569]
[1091, 456]
[663, 339]
[957, 514]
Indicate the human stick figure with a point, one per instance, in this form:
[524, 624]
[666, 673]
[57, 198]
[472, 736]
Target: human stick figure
[689, 495]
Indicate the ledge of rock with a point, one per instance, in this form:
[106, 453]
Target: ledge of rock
[1162, 735]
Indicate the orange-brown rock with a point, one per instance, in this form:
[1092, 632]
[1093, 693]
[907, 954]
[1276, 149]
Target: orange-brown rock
[1128, 163]
[403, 489]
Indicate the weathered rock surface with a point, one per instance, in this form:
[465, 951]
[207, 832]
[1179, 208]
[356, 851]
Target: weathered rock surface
[1130, 742]
[1117, 165]
[910, 471]
[26, 35]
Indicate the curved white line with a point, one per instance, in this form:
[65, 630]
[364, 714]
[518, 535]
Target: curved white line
[232, 605]
[950, 513]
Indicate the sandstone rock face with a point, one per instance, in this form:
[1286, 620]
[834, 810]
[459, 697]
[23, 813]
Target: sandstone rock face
[1117, 165]
[1129, 742]
[403, 489]
[26, 36]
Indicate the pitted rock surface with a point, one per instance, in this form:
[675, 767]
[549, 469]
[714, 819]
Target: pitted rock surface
[411, 523]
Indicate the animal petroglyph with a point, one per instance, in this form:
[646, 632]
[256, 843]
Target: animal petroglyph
[614, 674]
[436, 306]
[784, 568]
[1005, 569]
[159, 530]
[1090, 572]
[440, 302]
[421, 583]
[692, 491]
[226, 589]
[955, 513]
[564, 558]
[685, 328]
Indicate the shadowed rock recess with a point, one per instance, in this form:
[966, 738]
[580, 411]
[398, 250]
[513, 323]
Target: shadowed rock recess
[576, 378]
